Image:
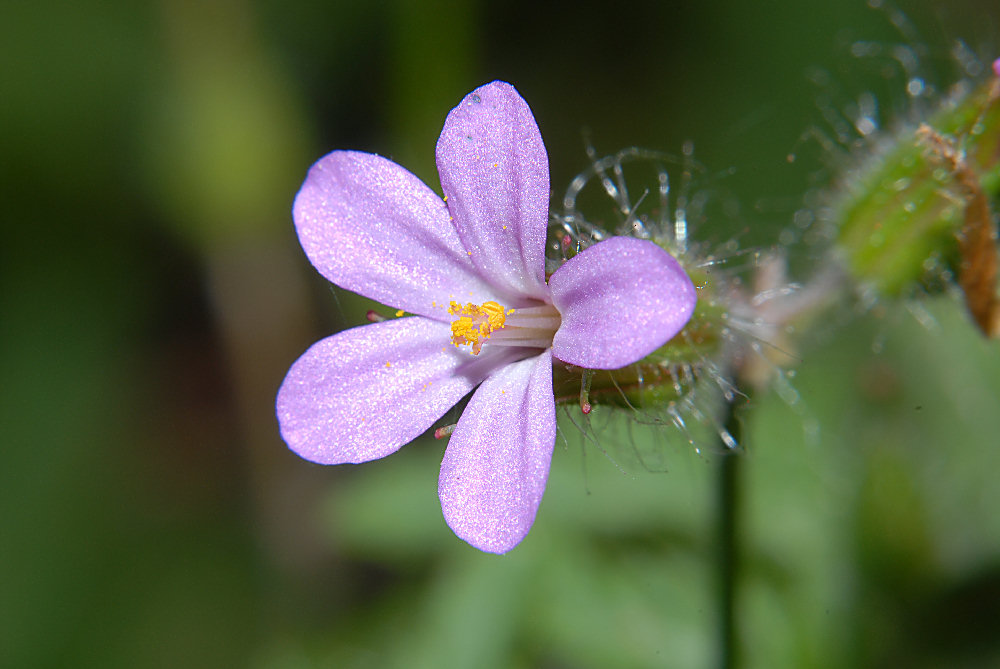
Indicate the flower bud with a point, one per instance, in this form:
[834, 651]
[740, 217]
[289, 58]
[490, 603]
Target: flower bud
[917, 215]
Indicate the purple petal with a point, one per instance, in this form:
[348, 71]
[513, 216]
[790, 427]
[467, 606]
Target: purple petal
[363, 393]
[494, 471]
[495, 174]
[620, 300]
[375, 229]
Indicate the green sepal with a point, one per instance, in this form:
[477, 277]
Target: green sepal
[664, 376]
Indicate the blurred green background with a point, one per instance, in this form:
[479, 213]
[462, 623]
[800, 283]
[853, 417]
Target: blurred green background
[152, 296]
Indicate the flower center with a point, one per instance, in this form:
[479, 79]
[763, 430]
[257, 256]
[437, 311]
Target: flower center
[476, 323]
[531, 327]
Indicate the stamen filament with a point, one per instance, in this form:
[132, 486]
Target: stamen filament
[540, 342]
[516, 320]
[520, 333]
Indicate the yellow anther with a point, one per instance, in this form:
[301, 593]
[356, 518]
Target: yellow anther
[399, 313]
[495, 314]
[475, 323]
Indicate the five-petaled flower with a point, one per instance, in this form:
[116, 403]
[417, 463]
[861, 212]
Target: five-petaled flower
[471, 268]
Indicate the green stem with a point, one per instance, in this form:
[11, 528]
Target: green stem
[727, 522]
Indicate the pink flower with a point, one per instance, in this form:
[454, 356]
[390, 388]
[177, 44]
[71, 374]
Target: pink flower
[472, 270]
